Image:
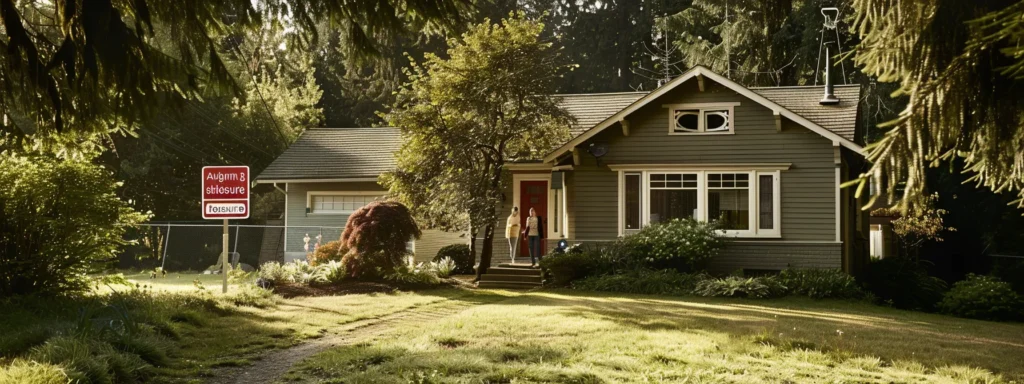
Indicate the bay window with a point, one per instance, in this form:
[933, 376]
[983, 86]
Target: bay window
[745, 203]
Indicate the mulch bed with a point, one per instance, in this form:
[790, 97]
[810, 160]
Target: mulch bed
[289, 290]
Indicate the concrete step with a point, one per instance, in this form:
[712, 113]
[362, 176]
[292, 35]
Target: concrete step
[513, 271]
[516, 265]
[506, 285]
[510, 278]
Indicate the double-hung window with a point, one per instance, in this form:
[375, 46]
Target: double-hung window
[745, 203]
[672, 196]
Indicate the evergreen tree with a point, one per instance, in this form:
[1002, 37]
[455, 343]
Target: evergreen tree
[73, 69]
[959, 65]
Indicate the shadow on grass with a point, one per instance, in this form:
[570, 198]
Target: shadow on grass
[512, 362]
[824, 325]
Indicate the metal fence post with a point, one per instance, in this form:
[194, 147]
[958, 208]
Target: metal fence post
[167, 243]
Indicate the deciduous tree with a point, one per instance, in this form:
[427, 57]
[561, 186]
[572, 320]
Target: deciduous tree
[465, 117]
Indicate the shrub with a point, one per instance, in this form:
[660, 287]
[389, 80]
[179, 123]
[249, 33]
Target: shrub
[59, 221]
[412, 277]
[376, 236]
[983, 297]
[299, 271]
[580, 262]
[460, 254]
[645, 281]
[334, 271]
[762, 287]
[273, 271]
[903, 283]
[444, 268]
[682, 244]
[331, 251]
[821, 283]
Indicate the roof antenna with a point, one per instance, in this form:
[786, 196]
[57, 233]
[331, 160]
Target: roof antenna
[831, 22]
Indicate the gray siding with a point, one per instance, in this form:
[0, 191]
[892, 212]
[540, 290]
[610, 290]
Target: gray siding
[776, 256]
[299, 223]
[807, 188]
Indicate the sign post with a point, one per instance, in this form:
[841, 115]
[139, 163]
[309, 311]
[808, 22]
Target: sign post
[225, 196]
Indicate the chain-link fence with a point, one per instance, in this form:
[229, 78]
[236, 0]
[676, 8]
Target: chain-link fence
[195, 247]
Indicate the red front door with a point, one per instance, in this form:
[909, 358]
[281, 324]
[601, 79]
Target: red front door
[532, 194]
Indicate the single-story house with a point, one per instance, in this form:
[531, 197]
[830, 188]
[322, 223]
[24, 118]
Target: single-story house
[766, 162]
[326, 175]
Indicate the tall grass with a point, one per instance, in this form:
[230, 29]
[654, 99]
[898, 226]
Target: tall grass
[119, 337]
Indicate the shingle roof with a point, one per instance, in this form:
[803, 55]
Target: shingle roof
[590, 109]
[336, 153]
[839, 118]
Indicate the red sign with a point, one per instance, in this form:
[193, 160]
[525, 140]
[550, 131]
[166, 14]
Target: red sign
[226, 192]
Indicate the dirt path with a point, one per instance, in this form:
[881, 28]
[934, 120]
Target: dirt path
[269, 367]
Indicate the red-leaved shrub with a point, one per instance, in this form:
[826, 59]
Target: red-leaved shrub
[376, 236]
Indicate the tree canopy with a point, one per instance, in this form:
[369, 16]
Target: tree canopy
[463, 118]
[959, 65]
[72, 69]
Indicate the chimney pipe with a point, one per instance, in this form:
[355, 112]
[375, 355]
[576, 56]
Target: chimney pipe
[830, 97]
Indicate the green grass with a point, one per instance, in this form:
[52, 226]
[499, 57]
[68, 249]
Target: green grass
[186, 332]
[565, 336]
[553, 336]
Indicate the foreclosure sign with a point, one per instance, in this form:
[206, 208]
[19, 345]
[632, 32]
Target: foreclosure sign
[226, 192]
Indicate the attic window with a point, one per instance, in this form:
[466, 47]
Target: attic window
[701, 118]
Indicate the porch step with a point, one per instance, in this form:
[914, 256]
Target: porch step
[506, 285]
[511, 278]
[513, 271]
[516, 265]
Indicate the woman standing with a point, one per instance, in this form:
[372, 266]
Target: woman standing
[534, 232]
[512, 233]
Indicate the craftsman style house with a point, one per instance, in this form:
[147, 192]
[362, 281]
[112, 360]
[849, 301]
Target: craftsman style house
[765, 162]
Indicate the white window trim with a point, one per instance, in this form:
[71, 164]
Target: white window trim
[563, 227]
[702, 209]
[310, 194]
[701, 107]
[776, 230]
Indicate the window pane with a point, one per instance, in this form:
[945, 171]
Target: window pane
[632, 202]
[765, 201]
[716, 120]
[730, 207]
[673, 204]
[687, 121]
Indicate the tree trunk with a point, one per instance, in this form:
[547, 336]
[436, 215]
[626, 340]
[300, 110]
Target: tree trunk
[485, 251]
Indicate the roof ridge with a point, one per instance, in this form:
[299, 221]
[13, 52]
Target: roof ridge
[601, 93]
[342, 128]
[806, 86]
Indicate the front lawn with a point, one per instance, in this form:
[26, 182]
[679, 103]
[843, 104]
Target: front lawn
[189, 332]
[564, 336]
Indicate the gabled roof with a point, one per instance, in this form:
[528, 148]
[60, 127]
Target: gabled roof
[591, 108]
[840, 118]
[336, 153]
[703, 72]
